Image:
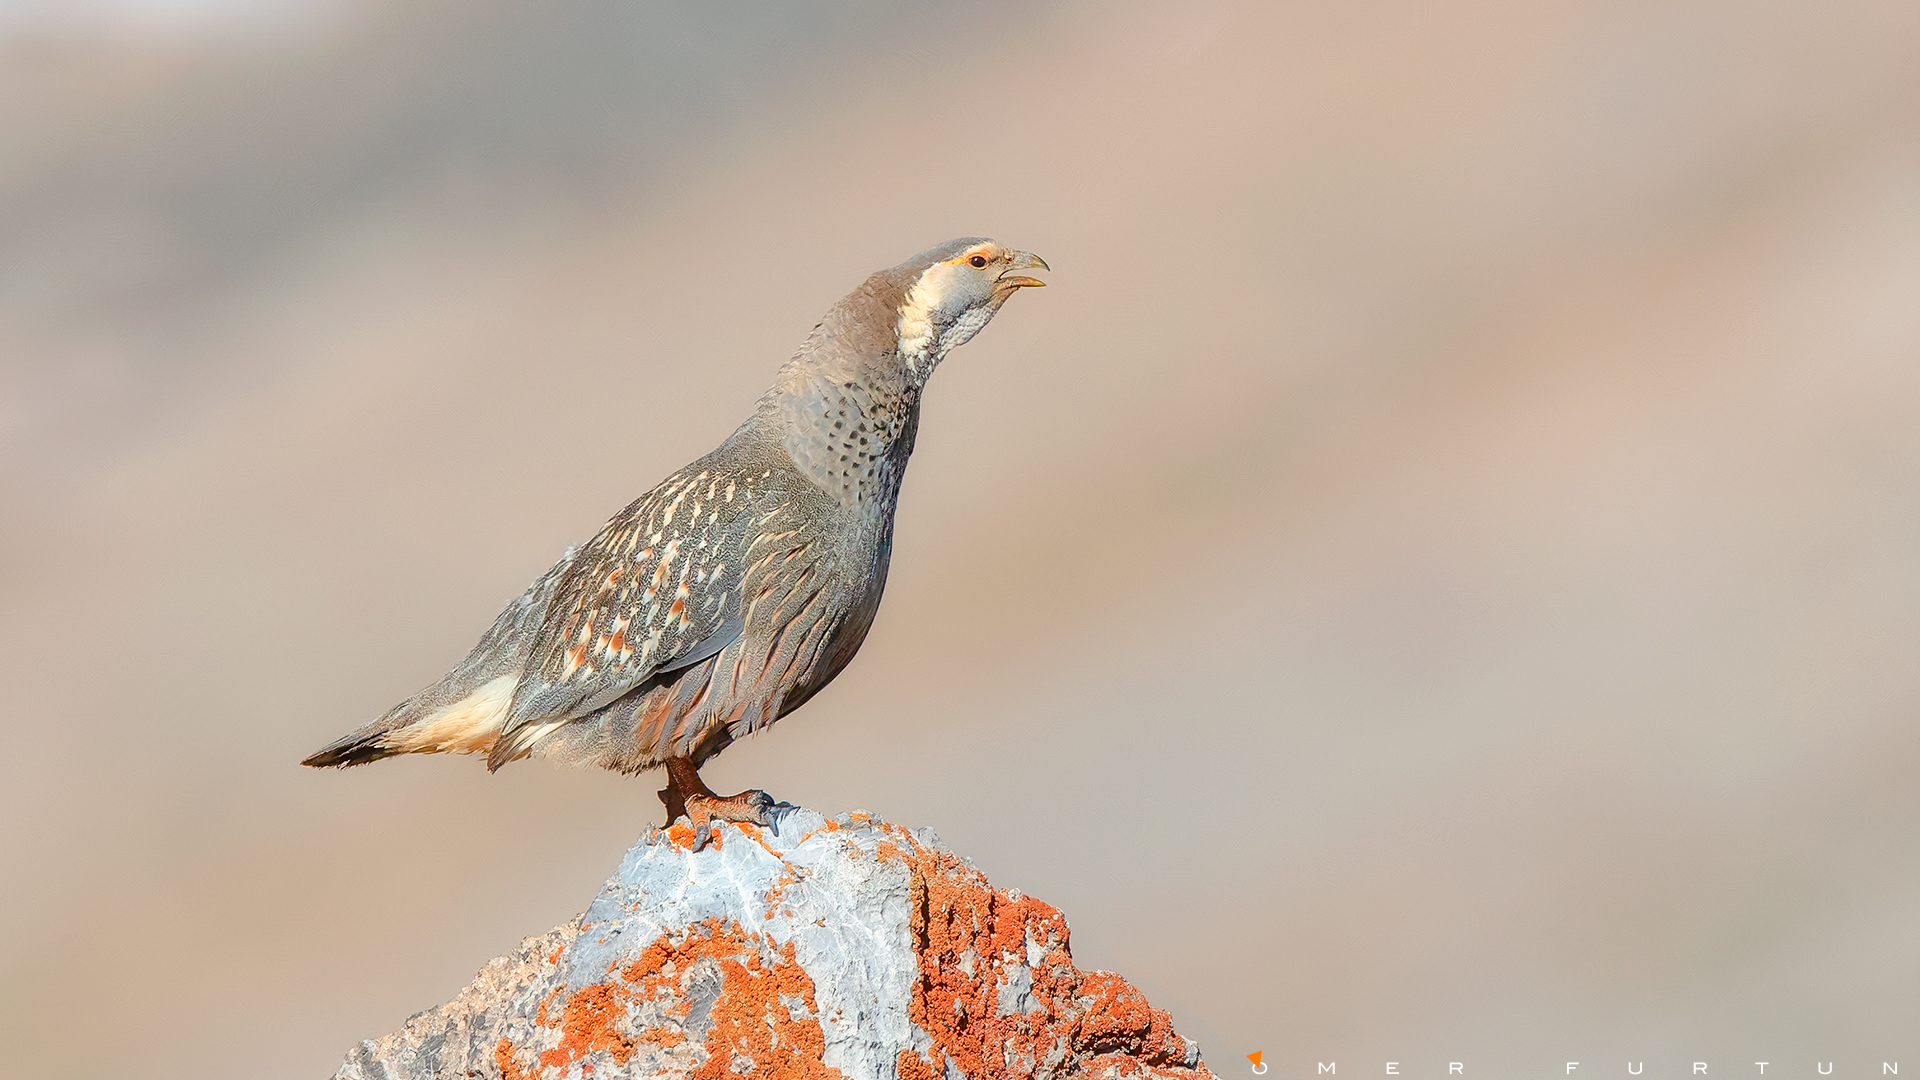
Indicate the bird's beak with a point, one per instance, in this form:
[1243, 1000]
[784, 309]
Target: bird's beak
[1023, 260]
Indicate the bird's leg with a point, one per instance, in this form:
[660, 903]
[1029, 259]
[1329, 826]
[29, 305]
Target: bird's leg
[686, 794]
[683, 779]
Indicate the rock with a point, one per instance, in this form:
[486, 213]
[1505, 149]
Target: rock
[849, 948]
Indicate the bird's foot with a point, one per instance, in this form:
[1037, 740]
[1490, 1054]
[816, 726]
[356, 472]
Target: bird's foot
[754, 806]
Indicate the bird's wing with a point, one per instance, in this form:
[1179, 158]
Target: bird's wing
[657, 590]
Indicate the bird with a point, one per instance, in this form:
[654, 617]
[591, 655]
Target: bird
[738, 587]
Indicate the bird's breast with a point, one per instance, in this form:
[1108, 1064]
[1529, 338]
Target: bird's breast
[848, 438]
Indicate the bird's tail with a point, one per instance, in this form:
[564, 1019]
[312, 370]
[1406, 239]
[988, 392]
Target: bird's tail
[468, 725]
[355, 749]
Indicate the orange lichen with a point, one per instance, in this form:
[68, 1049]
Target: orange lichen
[973, 941]
[540, 1011]
[680, 835]
[588, 1023]
[777, 892]
[753, 833]
[752, 1019]
[1118, 1018]
[662, 1036]
[912, 1066]
[504, 1061]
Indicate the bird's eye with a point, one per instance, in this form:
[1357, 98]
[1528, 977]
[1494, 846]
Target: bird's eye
[978, 261]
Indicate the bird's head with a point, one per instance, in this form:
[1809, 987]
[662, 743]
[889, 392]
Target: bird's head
[847, 403]
[953, 290]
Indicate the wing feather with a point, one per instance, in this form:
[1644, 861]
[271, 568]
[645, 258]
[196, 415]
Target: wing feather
[657, 590]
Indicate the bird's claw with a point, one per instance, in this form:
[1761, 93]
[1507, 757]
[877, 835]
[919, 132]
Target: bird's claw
[777, 813]
[758, 807]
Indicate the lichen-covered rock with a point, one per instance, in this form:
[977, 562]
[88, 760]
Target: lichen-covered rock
[837, 948]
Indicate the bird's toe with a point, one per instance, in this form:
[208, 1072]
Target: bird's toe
[754, 806]
[760, 806]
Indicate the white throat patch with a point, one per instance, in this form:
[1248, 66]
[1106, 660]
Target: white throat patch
[916, 316]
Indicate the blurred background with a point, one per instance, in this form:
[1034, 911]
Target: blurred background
[1436, 578]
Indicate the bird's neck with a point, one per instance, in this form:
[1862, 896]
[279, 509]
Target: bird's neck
[848, 419]
[848, 403]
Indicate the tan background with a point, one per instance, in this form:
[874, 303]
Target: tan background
[1436, 577]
